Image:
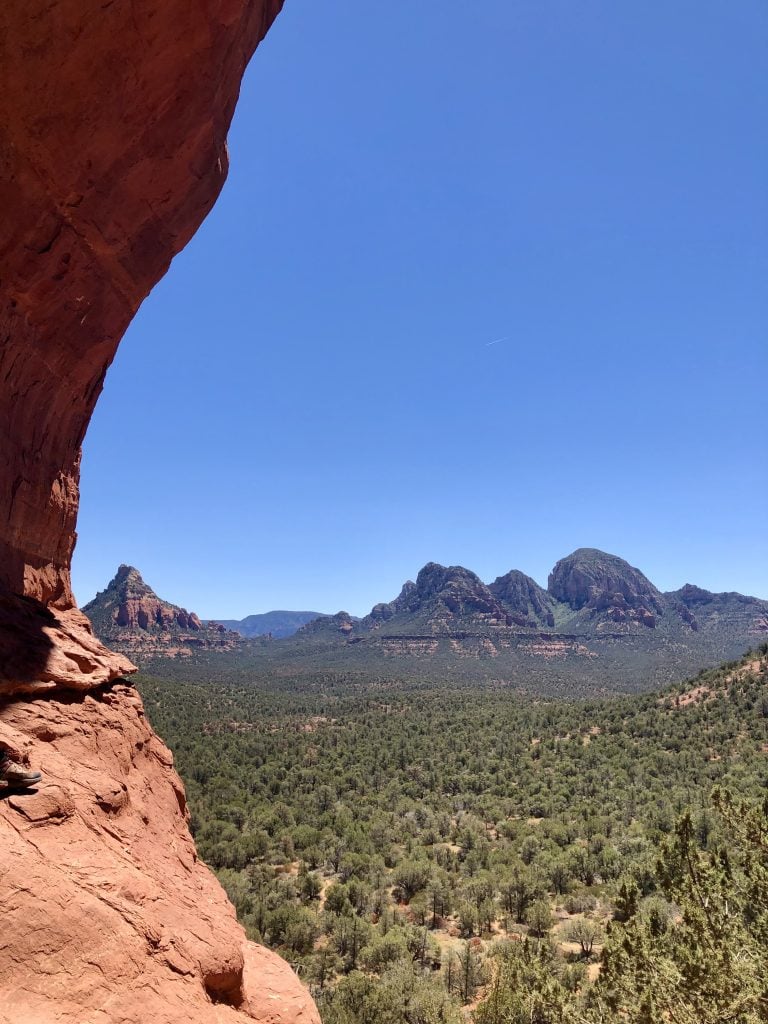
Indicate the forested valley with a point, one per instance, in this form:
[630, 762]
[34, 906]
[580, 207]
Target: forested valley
[427, 854]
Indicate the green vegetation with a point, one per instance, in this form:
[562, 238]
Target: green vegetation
[412, 851]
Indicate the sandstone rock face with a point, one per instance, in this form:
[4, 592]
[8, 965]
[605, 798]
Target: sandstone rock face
[108, 917]
[113, 122]
[45, 648]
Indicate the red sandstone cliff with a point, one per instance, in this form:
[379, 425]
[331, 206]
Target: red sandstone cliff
[106, 915]
[113, 120]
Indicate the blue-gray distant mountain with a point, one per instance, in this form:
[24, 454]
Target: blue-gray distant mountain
[279, 623]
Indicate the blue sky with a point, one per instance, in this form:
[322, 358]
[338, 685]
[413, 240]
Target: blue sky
[309, 407]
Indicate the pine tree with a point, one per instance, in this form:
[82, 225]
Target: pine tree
[525, 989]
[711, 965]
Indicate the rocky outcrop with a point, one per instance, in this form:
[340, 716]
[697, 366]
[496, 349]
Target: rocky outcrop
[129, 603]
[455, 589]
[700, 609]
[129, 616]
[113, 149]
[527, 603]
[44, 648]
[442, 596]
[108, 916]
[691, 595]
[452, 597]
[342, 623]
[603, 583]
[386, 610]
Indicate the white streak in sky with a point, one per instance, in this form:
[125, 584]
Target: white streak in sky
[496, 342]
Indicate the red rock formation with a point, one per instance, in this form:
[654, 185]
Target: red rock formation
[130, 617]
[603, 583]
[113, 119]
[44, 649]
[107, 915]
[129, 603]
[113, 122]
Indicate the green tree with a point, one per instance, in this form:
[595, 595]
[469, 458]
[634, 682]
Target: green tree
[710, 966]
[518, 890]
[525, 989]
[411, 877]
[471, 972]
[585, 932]
[539, 918]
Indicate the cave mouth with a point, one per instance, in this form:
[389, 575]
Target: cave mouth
[225, 987]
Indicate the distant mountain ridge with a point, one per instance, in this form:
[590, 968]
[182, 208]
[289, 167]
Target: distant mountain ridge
[588, 590]
[278, 624]
[600, 621]
[129, 616]
[600, 626]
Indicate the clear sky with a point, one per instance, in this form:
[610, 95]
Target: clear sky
[487, 283]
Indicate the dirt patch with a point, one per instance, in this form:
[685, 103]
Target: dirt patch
[695, 696]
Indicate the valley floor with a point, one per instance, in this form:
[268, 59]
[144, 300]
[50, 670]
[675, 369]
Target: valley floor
[409, 849]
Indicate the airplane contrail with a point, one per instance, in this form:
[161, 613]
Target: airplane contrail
[497, 340]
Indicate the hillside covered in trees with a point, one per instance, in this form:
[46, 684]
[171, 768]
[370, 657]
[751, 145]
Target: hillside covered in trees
[413, 851]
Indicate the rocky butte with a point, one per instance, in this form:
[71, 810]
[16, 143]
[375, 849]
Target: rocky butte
[130, 616]
[113, 122]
